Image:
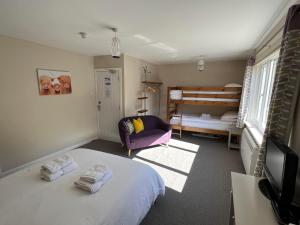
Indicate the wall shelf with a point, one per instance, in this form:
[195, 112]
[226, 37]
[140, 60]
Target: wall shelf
[142, 98]
[143, 111]
[152, 83]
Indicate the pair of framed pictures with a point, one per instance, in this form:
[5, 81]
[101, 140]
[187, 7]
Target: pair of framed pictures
[54, 82]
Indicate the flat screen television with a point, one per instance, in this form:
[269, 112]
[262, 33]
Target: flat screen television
[281, 170]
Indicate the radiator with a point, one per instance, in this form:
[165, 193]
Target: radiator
[249, 151]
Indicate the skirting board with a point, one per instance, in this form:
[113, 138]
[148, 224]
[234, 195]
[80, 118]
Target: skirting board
[5, 173]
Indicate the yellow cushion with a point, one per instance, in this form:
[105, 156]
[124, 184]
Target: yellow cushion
[138, 125]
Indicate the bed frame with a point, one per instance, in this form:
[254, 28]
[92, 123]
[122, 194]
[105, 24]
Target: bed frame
[172, 105]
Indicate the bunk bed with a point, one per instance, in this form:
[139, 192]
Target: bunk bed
[216, 96]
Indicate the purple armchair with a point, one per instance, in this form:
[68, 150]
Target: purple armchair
[155, 132]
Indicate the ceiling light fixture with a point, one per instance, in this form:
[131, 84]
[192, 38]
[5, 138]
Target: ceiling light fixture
[200, 63]
[83, 35]
[115, 46]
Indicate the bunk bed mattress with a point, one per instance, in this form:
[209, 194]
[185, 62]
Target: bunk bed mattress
[211, 99]
[212, 92]
[178, 95]
[214, 123]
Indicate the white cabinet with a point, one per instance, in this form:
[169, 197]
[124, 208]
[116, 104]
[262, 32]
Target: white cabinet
[249, 205]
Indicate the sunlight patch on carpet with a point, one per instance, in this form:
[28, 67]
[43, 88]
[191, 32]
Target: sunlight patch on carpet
[172, 179]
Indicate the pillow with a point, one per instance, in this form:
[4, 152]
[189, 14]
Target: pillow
[229, 116]
[233, 85]
[138, 125]
[128, 126]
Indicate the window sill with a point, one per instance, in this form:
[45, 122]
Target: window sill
[256, 133]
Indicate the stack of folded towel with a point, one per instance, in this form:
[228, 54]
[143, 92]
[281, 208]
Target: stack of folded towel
[94, 178]
[58, 167]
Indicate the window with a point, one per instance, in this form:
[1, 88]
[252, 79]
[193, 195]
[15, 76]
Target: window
[260, 92]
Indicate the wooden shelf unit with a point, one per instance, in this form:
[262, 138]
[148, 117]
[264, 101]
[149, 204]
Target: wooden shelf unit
[146, 84]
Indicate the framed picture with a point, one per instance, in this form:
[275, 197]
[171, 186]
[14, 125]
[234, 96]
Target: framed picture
[54, 82]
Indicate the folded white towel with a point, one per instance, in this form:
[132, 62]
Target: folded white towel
[45, 175]
[93, 187]
[58, 163]
[48, 176]
[70, 168]
[94, 174]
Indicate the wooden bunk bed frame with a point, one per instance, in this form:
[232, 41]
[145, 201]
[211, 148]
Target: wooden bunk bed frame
[172, 105]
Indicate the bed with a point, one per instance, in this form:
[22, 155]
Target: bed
[193, 120]
[125, 200]
[226, 96]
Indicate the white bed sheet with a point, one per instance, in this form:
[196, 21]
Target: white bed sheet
[177, 95]
[27, 200]
[211, 92]
[196, 121]
[211, 99]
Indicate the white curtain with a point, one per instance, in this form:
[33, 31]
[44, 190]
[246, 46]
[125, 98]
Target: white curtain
[245, 93]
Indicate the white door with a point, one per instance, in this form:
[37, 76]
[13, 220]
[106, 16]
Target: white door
[108, 103]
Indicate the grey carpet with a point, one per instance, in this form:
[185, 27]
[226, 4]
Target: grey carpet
[205, 199]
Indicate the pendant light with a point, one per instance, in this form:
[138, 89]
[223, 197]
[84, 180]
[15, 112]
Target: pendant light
[115, 46]
[200, 63]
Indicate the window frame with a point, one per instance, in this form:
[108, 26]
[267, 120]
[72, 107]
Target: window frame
[263, 76]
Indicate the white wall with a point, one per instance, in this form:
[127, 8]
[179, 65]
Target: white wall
[216, 73]
[133, 88]
[32, 126]
[132, 78]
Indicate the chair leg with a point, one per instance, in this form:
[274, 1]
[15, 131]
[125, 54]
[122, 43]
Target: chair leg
[129, 152]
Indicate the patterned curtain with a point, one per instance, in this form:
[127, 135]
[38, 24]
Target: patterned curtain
[245, 93]
[286, 87]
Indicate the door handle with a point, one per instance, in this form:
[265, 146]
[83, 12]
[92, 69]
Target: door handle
[99, 106]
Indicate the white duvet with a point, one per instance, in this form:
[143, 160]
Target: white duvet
[125, 200]
[214, 122]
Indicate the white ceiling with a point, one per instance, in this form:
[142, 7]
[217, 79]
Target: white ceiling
[160, 31]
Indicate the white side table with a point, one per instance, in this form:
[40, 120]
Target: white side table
[236, 132]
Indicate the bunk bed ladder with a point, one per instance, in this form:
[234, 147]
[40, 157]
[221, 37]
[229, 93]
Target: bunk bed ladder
[172, 112]
[179, 129]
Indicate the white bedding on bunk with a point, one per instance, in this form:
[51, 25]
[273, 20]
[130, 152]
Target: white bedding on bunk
[211, 99]
[192, 120]
[124, 200]
[211, 92]
[177, 95]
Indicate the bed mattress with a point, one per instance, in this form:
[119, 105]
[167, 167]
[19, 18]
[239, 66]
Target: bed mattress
[211, 99]
[178, 95]
[214, 123]
[27, 200]
[211, 92]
